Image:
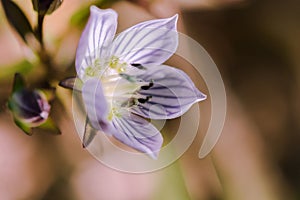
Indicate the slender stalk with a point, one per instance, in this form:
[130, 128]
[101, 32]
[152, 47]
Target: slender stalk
[39, 30]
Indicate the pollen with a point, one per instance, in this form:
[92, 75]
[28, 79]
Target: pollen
[94, 69]
[90, 71]
[117, 65]
[114, 112]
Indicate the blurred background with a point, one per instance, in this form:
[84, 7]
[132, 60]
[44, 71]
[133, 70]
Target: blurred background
[255, 44]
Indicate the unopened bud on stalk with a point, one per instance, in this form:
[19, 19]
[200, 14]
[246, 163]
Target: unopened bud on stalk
[44, 7]
[30, 108]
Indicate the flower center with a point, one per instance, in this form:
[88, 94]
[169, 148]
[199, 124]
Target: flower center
[121, 90]
[122, 93]
[105, 67]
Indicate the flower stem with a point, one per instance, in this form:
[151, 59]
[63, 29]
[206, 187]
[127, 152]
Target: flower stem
[39, 31]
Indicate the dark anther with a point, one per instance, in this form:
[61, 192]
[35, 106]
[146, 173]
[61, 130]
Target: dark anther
[137, 65]
[147, 87]
[141, 100]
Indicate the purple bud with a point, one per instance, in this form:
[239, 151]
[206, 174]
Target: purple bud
[30, 107]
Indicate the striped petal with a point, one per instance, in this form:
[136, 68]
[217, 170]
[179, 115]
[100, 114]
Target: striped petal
[129, 129]
[138, 133]
[96, 105]
[152, 41]
[172, 93]
[96, 38]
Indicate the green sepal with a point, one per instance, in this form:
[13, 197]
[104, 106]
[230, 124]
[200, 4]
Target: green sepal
[23, 127]
[89, 134]
[49, 93]
[54, 6]
[46, 7]
[49, 127]
[10, 105]
[73, 83]
[19, 83]
[35, 4]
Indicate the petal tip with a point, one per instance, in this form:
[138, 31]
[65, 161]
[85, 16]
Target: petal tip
[95, 9]
[153, 155]
[201, 96]
[98, 11]
[175, 17]
[155, 152]
[173, 20]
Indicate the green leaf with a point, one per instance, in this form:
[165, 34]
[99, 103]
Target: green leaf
[17, 18]
[23, 66]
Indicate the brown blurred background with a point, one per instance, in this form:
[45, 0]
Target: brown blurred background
[255, 45]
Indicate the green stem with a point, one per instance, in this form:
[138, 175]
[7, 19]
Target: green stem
[39, 30]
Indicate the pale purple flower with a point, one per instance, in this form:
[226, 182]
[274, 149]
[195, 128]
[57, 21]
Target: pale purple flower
[124, 81]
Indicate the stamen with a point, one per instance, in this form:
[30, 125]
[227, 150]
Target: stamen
[147, 87]
[114, 112]
[128, 77]
[110, 78]
[137, 65]
[130, 103]
[141, 100]
[115, 63]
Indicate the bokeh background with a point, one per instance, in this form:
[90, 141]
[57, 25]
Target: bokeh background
[255, 44]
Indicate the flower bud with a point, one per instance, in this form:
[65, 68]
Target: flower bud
[46, 6]
[30, 108]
